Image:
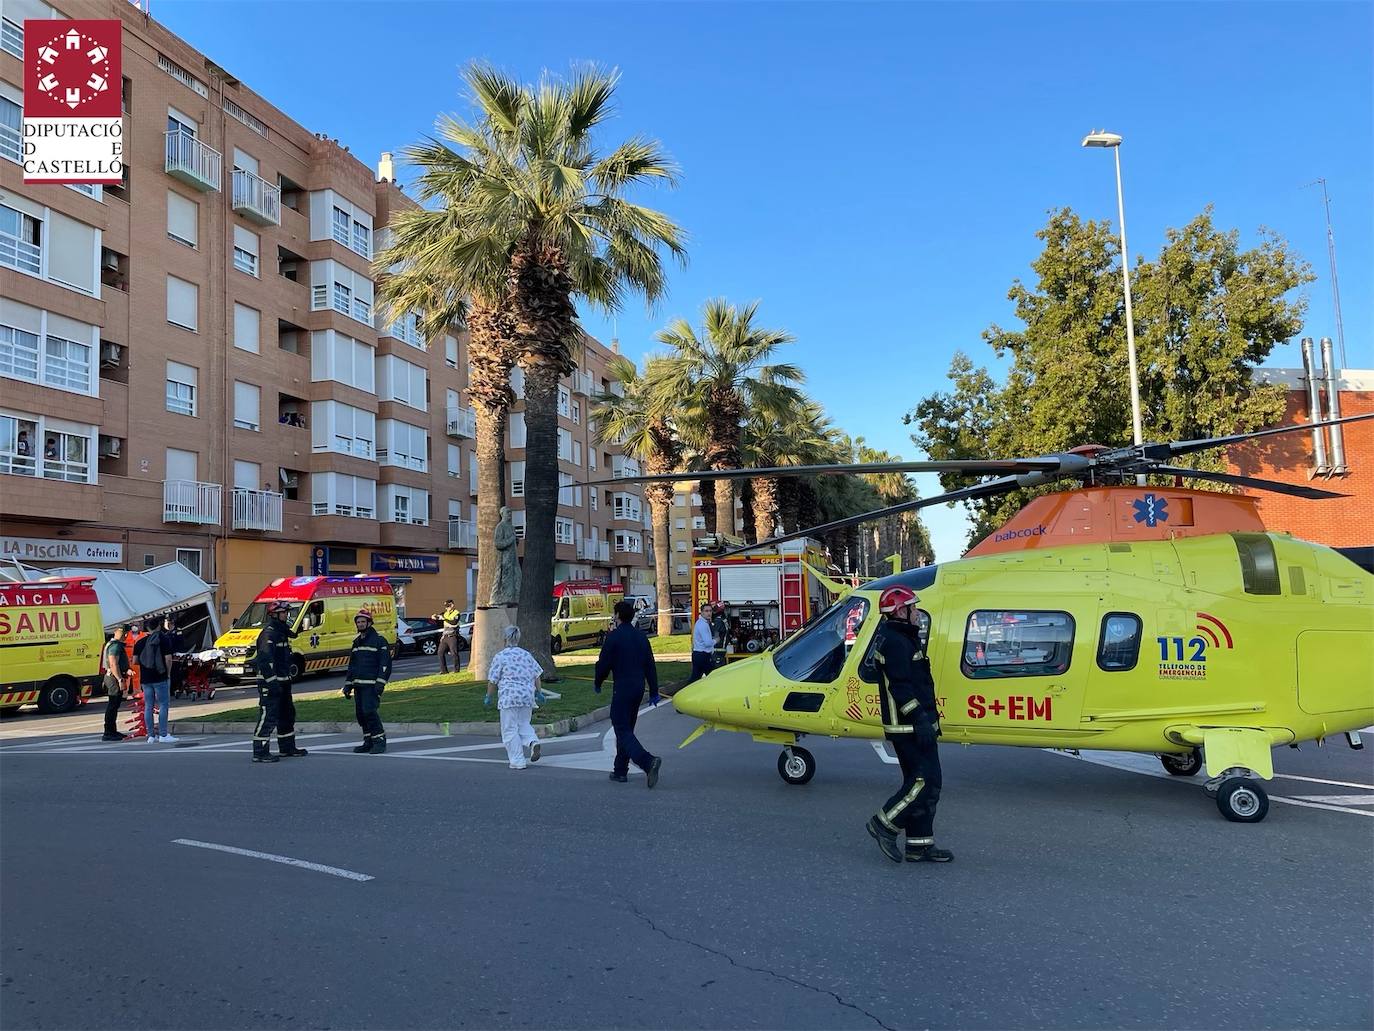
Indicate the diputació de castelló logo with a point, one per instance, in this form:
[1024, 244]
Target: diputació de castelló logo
[73, 116]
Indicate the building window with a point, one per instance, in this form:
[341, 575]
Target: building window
[564, 402]
[362, 239]
[18, 446]
[341, 226]
[518, 521]
[183, 219]
[246, 249]
[183, 303]
[247, 407]
[21, 241]
[593, 498]
[190, 558]
[698, 522]
[67, 365]
[247, 328]
[334, 356]
[338, 494]
[11, 135]
[66, 456]
[562, 530]
[41, 446]
[1016, 644]
[454, 461]
[681, 570]
[404, 382]
[403, 445]
[18, 354]
[680, 524]
[181, 389]
[680, 546]
[343, 299]
[577, 413]
[451, 352]
[517, 479]
[12, 39]
[406, 505]
[245, 262]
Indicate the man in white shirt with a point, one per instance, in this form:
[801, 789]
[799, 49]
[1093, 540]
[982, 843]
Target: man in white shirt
[703, 644]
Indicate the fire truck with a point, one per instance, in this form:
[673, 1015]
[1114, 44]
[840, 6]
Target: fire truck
[768, 594]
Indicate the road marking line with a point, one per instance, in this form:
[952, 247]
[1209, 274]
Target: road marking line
[247, 739]
[1340, 799]
[390, 741]
[1320, 805]
[287, 860]
[1318, 780]
[543, 741]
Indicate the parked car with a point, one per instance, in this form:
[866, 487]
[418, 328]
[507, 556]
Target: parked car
[465, 629]
[419, 635]
[647, 621]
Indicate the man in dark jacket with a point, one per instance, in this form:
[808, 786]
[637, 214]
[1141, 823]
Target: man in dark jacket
[277, 710]
[369, 668]
[154, 657]
[911, 723]
[627, 658]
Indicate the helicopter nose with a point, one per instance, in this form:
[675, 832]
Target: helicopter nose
[720, 692]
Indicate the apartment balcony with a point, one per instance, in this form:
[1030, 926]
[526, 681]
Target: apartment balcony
[622, 467]
[594, 551]
[421, 536]
[193, 162]
[462, 422]
[256, 199]
[462, 533]
[45, 498]
[582, 383]
[190, 501]
[257, 510]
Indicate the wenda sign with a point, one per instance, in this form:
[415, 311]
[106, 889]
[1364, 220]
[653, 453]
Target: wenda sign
[73, 111]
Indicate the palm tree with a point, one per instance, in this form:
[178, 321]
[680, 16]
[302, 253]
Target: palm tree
[533, 215]
[798, 436]
[716, 380]
[638, 421]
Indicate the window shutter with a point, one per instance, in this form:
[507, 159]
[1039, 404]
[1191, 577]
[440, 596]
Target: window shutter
[179, 373]
[21, 316]
[183, 218]
[247, 398]
[183, 303]
[245, 161]
[71, 252]
[247, 475]
[181, 465]
[247, 326]
[246, 241]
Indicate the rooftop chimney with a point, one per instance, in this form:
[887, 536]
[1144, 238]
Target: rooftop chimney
[615, 345]
[1333, 409]
[1314, 409]
[386, 172]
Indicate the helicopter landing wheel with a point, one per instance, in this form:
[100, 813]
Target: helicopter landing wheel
[796, 765]
[1185, 765]
[1242, 800]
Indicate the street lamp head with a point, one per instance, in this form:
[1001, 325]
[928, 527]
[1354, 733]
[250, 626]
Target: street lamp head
[1102, 138]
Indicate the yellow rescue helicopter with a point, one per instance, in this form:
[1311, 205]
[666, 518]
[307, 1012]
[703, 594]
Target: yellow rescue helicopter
[1163, 620]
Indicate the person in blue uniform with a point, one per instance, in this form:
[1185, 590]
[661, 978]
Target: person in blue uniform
[629, 661]
[369, 668]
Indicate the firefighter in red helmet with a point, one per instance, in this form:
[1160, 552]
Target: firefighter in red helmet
[911, 722]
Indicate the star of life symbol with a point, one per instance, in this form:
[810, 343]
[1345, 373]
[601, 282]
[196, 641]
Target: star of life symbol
[73, 68]
[1151, 510]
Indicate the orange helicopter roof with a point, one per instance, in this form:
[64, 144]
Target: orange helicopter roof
[1099, 515]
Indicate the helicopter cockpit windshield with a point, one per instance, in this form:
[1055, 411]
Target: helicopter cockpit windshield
[817, 654]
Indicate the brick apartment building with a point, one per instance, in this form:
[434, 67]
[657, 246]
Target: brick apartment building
[193, 369]
[1292, 458]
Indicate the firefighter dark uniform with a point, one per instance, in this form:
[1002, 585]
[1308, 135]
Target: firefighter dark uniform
[276, 709]
[369, 668]
[911, 722]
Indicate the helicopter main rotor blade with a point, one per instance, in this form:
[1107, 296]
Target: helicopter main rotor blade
[1296, 490]
[1186, 447]
[979, 490]
[973, 467]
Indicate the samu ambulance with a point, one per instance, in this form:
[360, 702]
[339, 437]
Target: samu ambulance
[51, 639]
[320, 611]
[582, 612]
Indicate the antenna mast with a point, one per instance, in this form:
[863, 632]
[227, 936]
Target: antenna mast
[1335, 286]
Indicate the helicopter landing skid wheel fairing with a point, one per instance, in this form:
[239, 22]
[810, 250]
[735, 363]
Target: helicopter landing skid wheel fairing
[1240, 796]
[796, 765]
[1185, 765]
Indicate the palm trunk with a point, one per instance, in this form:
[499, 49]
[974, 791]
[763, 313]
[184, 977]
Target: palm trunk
[725, 507]
[765, 506]
[708, 510]
[787, 503]
[660, 498]
[746, 496]
[489, 393]
[541, 507]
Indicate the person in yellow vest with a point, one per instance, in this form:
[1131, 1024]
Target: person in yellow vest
[448, 638]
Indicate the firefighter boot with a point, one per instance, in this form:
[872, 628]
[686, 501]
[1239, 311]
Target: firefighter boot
[262, 752]
[378, 744]
[927, 853]
[288, 748]
[887, 841]
[366, 746]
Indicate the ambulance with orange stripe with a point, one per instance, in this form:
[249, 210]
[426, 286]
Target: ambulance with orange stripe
[320, 615]
[51, 638]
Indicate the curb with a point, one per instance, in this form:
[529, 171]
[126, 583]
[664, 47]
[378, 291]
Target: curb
[545, 730]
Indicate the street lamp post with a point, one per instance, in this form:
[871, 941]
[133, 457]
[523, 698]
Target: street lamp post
[1101, 138]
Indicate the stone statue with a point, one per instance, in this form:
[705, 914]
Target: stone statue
[505, 588]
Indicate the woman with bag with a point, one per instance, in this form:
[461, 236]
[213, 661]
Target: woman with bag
[514, 677]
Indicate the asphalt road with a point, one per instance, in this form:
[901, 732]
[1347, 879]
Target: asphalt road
[1082, 895]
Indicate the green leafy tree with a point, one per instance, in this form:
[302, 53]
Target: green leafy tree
[1206, 314]
[527, 216]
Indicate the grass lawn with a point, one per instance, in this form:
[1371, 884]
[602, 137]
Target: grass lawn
[673, 644]
[455, 698]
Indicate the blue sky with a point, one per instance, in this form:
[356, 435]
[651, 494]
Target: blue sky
[875, 173]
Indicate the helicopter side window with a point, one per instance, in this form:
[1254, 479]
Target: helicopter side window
[817, 654]
[1003, 643]
[1118, 647]
[867, 673]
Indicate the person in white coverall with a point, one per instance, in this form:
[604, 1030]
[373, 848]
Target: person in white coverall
[513, 677]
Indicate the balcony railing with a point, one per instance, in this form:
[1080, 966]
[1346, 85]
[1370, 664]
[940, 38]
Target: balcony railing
[462, 533]
[462, 422]
[256, 199]
[257, 510]
[192, 161]
[190, 501]
[581, 382]
[20, 254]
